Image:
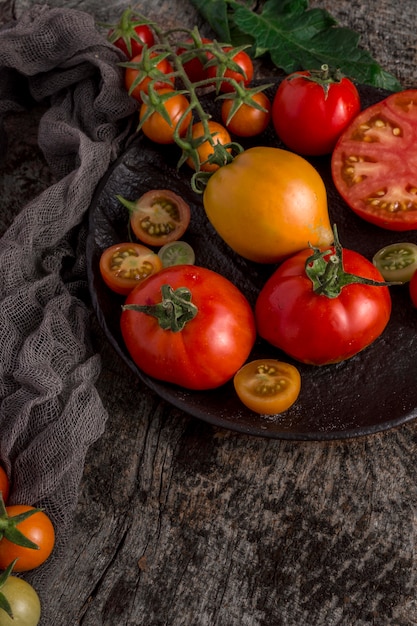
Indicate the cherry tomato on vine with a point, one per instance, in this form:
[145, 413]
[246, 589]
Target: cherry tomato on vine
[320, 322]
[397, 262]
[267, 204]
[4, 484]
[373, 163]
[194, 67]
[37, 528]
[413, 289]
[157, 128]
[18, 598]
[244, 75]
[130, 34]
[311, 109]
[268, 386]
[158, 216]
[247, 121]
[125, 265]
[204, 150]
[136, 81]
[194, 328]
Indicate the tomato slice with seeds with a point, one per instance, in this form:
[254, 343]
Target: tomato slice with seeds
[125, 265]
[176, 253]
[373, 163]
[267, 386]
[158, 216]
[396, 262]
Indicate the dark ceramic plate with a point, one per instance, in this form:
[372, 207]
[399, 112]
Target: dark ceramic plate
[374, 391]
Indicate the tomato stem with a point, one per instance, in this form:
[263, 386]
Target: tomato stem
[173, 312]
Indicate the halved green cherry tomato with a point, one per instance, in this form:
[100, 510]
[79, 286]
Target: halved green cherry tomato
[176, 253]
[268, 386]
[413, 289]
[397, 262]
[158, 216]
[4, 484]
[125, 265]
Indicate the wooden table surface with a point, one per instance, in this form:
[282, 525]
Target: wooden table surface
[183, 524]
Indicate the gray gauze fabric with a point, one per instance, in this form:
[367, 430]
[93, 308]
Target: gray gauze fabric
[50, 410]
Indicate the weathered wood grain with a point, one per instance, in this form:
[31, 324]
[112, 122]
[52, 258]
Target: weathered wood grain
[183, 524]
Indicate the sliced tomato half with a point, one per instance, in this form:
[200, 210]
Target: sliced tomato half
[374, 163]
[125, 265]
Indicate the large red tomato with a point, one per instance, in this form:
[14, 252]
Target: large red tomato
[373, 164]
[312, 108]
[320, 318]
[194, 328]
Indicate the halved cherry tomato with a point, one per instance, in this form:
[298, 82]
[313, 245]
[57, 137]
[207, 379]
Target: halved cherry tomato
[137, 78]
[219, 134]
[242, 74]
[131, 33]
[125, 265]
[176, 253]
[413, 289]
[156, 127]
[268, 386]
[158, 216]
[4, 484]
[373, 163]
[397, 262]
[37, 528]
[247, 121]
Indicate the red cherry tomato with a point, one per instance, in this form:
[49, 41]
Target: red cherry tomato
[137, 78]
[125, 265]
[294, 314]
[373, 163]
[196, 328]
[37, 528]
[309, 112]
[413, 289]
[4, 484]
[131, 33]
[243, 74]
[194, 51]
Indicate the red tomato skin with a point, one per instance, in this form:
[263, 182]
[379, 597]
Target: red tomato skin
[313, 328]
[194, 68]
[146, 38]
[413, 289]
[308, 121]
[4, 484]
[212, 346]
[244, 77]
[131, 73]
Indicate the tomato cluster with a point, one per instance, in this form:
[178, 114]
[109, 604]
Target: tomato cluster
[27, 538]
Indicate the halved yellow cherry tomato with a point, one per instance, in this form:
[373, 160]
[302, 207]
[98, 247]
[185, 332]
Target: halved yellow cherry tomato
[125, 265]
[267, 386]
[158, 216]
[397, 262]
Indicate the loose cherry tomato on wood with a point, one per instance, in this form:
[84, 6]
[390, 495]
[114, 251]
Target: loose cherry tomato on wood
[311, 109]
[320, 322]
[130, 34]
[4, 484]
[36, 528]
[160, 127]
[158, 216]
[197, 57]
[373, 163]
[205, 149]
[194, 328]
[267, 204]
[247, 120]
[125, 265]
[268, 386]
[413, 289]
[138, 78]
[242, 73]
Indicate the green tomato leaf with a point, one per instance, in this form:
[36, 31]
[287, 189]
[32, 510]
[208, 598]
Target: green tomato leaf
[296, 37]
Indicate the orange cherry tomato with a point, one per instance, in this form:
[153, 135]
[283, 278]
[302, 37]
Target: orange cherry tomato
[220, 135]
[267, 386]
[247, 121]
[39, 529]
[125, 265]
[156, 127]
[4, 484]
[137, 81]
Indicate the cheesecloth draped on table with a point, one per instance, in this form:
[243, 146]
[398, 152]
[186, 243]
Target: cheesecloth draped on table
[50, 410]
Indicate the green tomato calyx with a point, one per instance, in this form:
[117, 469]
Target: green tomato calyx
[326, 272]
[9, 530]
[173, 312]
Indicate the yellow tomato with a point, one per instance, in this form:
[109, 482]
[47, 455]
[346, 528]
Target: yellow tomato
[268, 204]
